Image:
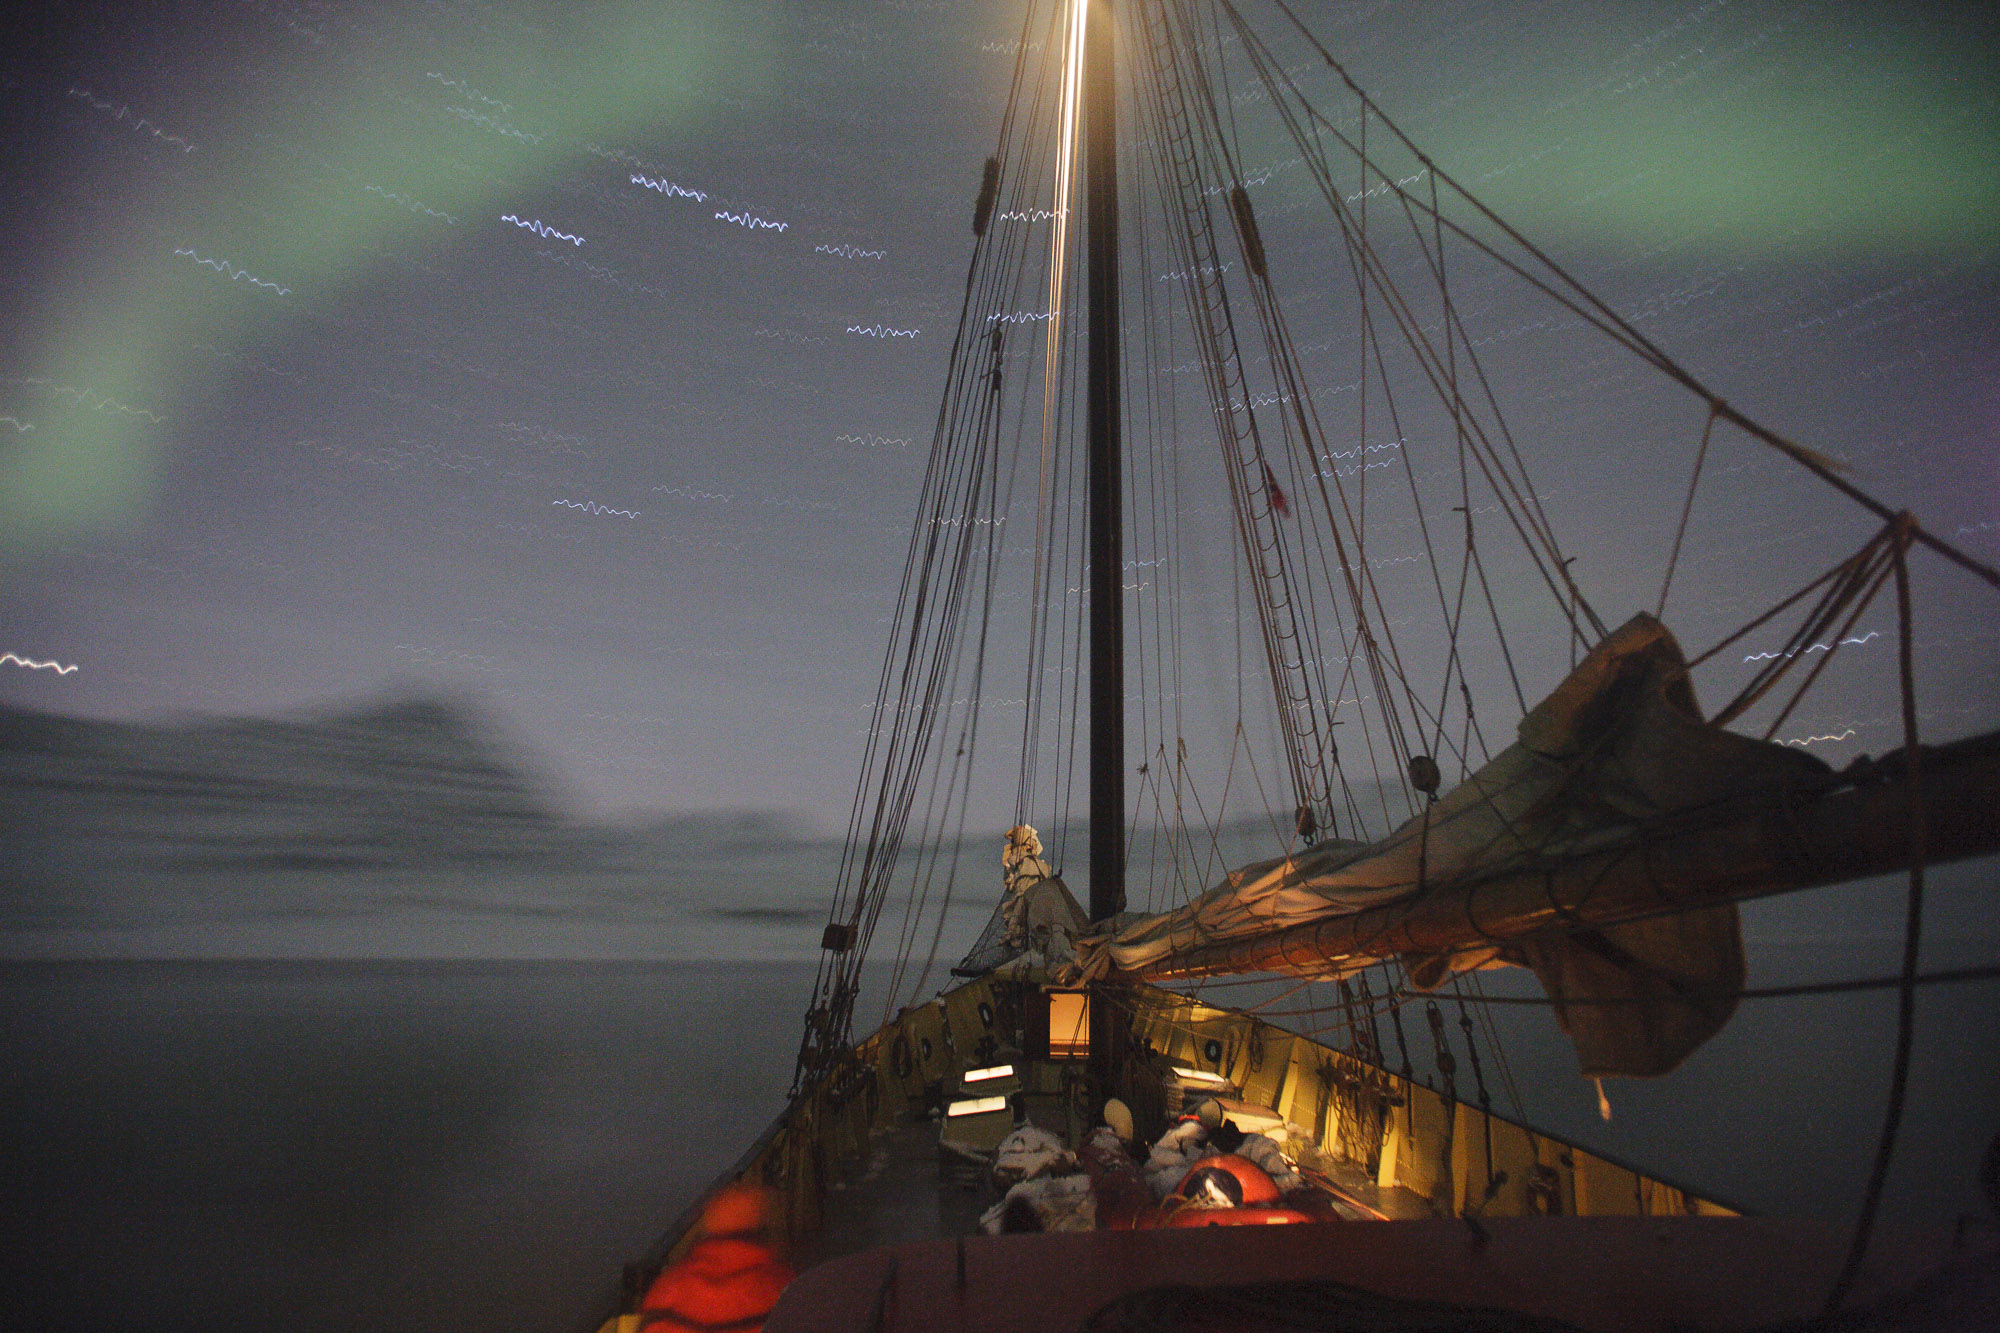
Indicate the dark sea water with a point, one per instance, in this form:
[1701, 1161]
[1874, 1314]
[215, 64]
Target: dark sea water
[366, 1145]
[392, 1146]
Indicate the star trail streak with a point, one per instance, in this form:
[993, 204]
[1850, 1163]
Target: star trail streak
[535, 225]
[598, 273]
[15, 659]
[120, 112]
[233, 273]
[669, 189]
[1813, 648]
[498, 127]
[409, 203]
[468, 92]
[1804, 741]
[592, 507]
[94, 401]
[749, 220]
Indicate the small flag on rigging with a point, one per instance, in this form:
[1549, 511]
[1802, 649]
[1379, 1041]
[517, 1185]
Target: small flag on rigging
[1277, 493]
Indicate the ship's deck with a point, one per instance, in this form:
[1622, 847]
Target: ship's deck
[901, 1194]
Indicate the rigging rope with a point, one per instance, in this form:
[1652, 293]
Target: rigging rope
[1298, 567]
[1609, 321]
[1913, 930]
[1680, 531]
[913, 689]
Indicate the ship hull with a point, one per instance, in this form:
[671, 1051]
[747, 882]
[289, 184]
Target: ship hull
[1544, 1273]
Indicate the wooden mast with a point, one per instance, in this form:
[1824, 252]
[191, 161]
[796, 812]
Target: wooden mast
[1105, 517]
[1104, 443]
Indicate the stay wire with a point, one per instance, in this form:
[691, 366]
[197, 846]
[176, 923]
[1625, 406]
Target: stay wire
[1913, 921]
[1438, 369]
[867, 858]
[1222, 362]
[1687, 507]
[1370, 267]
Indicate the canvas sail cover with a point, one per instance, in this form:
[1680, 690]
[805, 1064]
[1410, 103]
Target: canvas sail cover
[1620, 742]
[1039, 915]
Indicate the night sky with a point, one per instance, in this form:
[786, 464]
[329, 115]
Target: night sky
[583, 358]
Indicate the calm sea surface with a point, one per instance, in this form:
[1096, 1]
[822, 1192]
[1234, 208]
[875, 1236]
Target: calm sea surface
[367, 1146]
[478, 1146]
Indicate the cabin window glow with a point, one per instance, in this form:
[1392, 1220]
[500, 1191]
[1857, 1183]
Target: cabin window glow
[976, 1106]
[1069, 1024]
[982, 1075]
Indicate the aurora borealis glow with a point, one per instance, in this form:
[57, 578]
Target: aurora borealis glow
[339, 328]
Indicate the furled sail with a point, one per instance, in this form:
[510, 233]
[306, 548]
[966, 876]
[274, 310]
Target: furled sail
[1619, 745]
[1036, 917]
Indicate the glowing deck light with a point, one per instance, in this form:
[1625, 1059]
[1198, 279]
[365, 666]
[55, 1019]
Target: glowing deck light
[983, 1075]
[976, 1106]
[1201, 1076]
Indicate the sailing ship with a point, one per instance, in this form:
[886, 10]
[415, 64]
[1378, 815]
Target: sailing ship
[1475, 764]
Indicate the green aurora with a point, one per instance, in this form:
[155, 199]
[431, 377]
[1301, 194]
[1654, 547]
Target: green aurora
[1812, 139]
